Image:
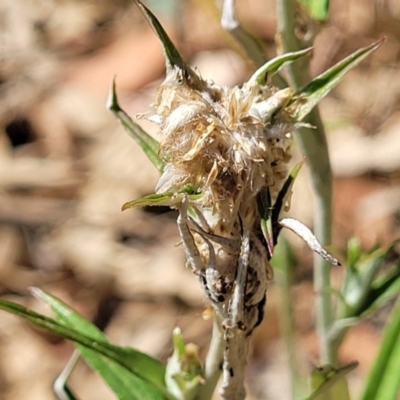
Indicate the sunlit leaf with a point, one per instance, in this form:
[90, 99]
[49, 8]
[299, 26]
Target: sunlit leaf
[172, 56]
[126, 385]
[148, 144]
[383, 381]
[117, 365]
[171, 53]
[139, 362]
[276, 64]
[168, 199]
[309, 95]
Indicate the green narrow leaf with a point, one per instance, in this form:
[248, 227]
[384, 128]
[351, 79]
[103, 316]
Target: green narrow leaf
[126, 385]
[137, 362]
[384, 288]
[264, 205]
[168, 199]
[111, 353]
[285, 192]
[362, 287]
[172, 55]
[383, 381]
[163, 199]
[148, 144]
[269, 214]
[309, 95]
[276, 64]
[174, 61]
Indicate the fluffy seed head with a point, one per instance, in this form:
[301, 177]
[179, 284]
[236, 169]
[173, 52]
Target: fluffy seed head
[228, 142]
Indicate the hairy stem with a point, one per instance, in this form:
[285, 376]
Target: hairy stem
[314, 146]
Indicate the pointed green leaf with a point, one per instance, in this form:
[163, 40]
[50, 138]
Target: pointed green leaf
[309, 95]
[286, 190]
[121, 359]
[362, 288]
[125, 385]
[384, 288]
[174, 61]
[163, 199]
[269, 214]
[264, 205]
[168, 199]
[172, 55]
[276, 64]
[148, 144]
[139, 363]
[383, 381]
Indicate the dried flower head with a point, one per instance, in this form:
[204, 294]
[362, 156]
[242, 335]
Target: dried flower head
[229, 144]
[221, 141]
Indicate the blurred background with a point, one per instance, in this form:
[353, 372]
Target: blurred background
[66, 167]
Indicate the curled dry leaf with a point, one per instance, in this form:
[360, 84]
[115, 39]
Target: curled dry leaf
[305, 233]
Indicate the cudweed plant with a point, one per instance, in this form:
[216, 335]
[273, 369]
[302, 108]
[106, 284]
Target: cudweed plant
[223, 158]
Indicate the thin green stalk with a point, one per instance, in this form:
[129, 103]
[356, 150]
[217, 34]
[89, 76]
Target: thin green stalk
[383, 380]
[250, 44]
[314, 146]
[213, 364]
[283, 262]
[247, 41]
